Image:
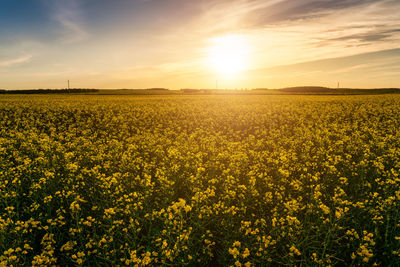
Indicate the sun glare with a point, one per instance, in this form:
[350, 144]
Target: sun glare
[228, 54]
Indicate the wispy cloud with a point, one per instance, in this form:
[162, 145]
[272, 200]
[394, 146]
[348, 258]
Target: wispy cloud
[333, 64]
[69, 15]
[350, 70]
[49, 74]
[286, 31]
[261, 13]
[14, 61]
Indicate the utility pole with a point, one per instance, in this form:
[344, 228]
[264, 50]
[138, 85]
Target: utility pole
[68, 85]
[338, 85]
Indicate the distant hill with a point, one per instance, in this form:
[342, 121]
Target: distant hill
[326, 90]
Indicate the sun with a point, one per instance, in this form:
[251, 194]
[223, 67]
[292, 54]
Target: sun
[228, 54]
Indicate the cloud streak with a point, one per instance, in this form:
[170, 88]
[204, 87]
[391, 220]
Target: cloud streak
[14, 61]
[304, 30]
[349, 70]
[69, 15]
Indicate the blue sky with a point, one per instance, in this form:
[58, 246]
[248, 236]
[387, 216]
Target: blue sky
[167, 43]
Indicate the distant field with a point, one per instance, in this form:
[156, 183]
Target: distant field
[200, 180]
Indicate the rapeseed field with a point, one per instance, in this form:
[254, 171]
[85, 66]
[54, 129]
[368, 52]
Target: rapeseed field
[199, 180]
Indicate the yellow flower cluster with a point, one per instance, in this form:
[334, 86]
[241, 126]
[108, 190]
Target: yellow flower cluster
[199, 180]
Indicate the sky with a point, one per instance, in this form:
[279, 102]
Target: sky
[199, 43]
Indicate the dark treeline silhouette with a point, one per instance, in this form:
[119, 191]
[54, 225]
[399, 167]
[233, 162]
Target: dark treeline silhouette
[191, 91]
[50, 91]
[157, 89]
[300, 90]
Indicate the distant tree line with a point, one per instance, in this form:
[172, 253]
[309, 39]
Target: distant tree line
[165, 91]
[49, 91]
